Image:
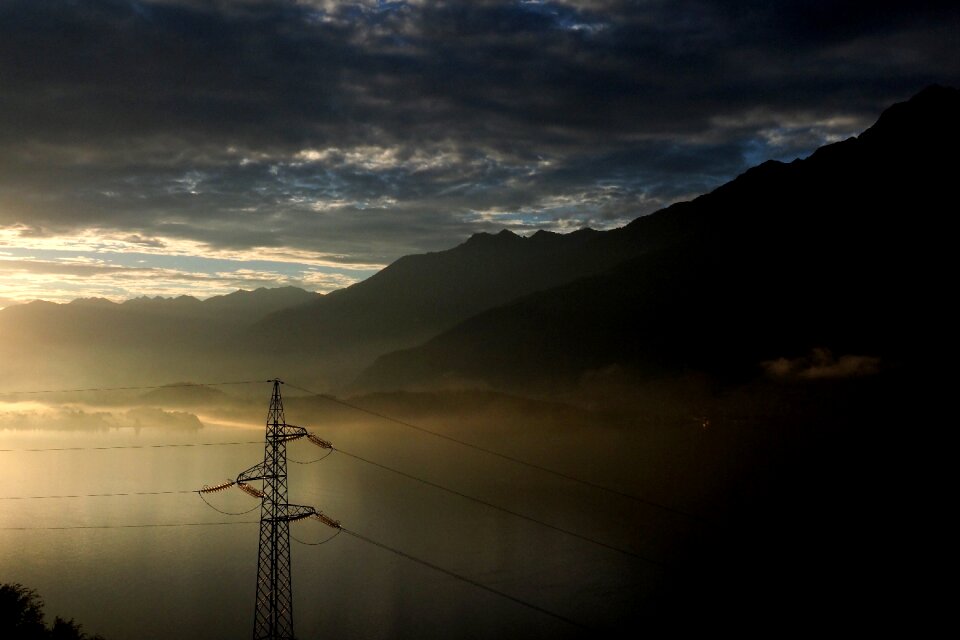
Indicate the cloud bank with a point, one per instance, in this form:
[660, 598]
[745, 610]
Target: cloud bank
[351, 133]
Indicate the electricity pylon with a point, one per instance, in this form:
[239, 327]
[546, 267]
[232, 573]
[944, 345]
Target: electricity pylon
[273, 609]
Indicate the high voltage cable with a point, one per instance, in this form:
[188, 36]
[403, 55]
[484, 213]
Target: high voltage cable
[320, 459]
[131, 526]
[134, 446]
[498, 454]
[463, 578]
[340, 401]
[130, 388]
[316, 544]
[227, 513]
[98, 495]
[375, 464]
[504, 509]
[355, 534]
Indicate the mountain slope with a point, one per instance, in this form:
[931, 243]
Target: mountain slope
[142, 319]
[834, 251]
[418, 296]
[241, 306]
[140, 339]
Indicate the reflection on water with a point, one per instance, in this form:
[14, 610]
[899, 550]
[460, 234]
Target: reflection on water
[197, 581]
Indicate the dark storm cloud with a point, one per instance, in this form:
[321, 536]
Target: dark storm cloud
[372, 129]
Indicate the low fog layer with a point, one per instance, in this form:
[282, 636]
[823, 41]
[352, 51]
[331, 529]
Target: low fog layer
[75, 418]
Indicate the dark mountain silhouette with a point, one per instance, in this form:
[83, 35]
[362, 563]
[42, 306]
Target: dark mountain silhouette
[242, 307]
[419, 296]
[823, 268]
[822, 253]
[829, 252]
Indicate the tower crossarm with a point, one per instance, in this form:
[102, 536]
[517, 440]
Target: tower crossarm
[296, 512]
[290, 432]
[256, 472]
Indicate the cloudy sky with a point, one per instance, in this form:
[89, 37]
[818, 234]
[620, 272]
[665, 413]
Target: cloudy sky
[198, 146]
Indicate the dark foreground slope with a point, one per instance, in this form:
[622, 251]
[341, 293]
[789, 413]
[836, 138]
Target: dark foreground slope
[842, 251]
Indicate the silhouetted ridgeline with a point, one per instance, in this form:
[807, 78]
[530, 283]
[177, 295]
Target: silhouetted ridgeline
[419, 296]
[838, 251]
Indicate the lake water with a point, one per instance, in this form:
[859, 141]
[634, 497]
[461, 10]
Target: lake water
[197, 581]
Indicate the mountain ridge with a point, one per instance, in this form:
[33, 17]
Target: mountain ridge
[823, 242]
[131, 340]
[417, 296]
[785, 258]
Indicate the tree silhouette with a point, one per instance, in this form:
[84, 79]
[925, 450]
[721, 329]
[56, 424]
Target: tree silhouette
[21, 618]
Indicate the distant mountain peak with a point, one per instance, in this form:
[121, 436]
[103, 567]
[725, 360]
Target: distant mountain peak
[936, 91]
[484, 238]
[543, 233]
[265, 293]
[93, 301]
[505, 236]
[931, 113]
[160, 301]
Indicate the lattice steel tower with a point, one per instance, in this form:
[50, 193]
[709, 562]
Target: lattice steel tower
[273, 610]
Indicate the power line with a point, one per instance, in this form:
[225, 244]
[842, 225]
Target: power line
[273, 610]
[320, 459]
[342, 402]
[504, 456]
[277, 412]
[316, 544]
[346, 453]
[131, 526]
[227, 513]
[503, 509]
[97, 495]
[130, 388]
[355, 534]
[359, 458]
[463, 578]
[134, 446]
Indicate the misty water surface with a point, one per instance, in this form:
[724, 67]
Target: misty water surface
[197, 582]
